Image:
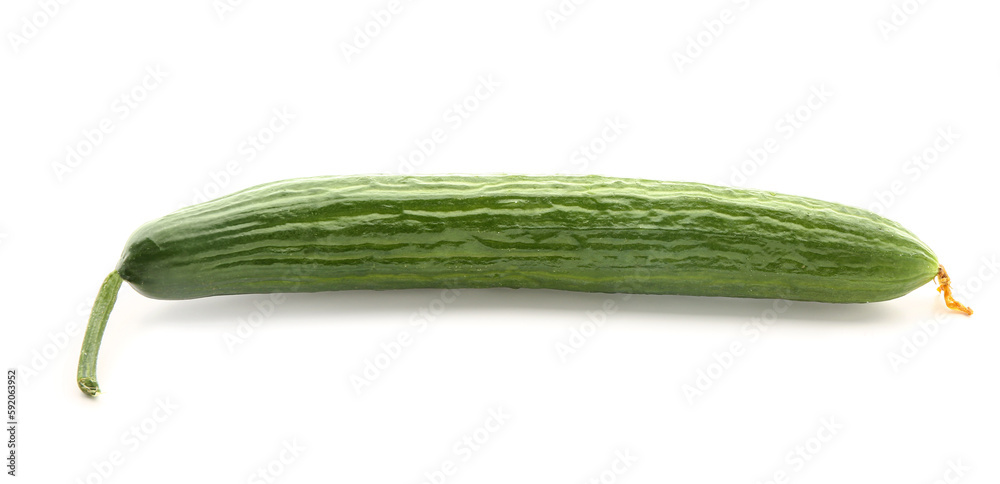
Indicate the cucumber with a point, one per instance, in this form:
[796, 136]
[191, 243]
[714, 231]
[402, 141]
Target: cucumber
[576, 233]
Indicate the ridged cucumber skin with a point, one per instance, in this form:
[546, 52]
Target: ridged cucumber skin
[577, 233]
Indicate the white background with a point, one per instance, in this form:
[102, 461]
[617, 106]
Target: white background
[222, 74]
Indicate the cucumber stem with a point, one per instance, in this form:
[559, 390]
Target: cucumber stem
[944, 286]
[86, 372]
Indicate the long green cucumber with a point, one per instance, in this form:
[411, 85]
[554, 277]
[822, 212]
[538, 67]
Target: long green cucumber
[577, 233]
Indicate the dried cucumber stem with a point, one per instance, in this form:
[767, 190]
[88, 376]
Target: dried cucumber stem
[86, 373]
[944, 286]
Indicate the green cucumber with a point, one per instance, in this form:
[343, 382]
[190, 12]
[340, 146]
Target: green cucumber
[577, 233]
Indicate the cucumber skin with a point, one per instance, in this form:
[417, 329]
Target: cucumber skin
[577, 233]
